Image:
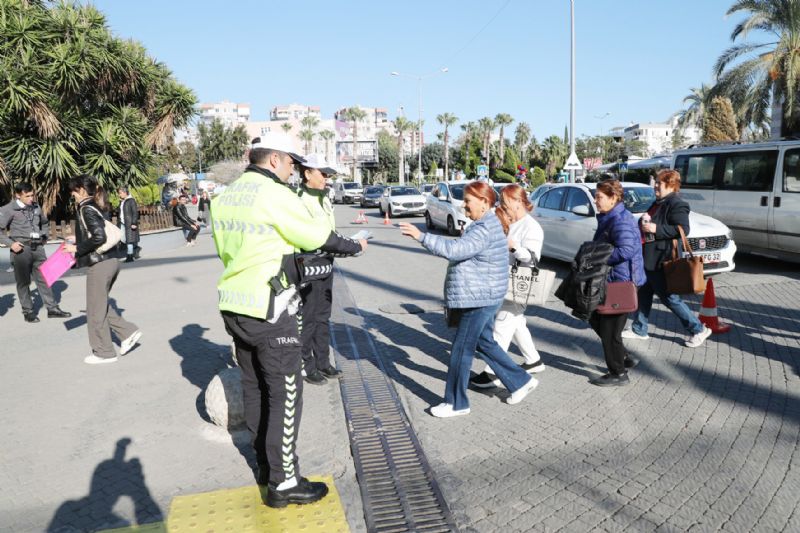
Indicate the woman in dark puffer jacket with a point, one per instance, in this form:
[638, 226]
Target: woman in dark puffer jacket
[616, 226]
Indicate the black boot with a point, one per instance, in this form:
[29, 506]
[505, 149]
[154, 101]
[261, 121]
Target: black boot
[304, 492]
[129, 258]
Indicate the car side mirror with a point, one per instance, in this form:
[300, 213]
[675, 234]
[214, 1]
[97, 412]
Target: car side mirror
[582, 210]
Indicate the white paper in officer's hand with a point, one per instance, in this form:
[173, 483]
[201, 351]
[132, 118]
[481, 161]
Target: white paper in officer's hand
[363, 234]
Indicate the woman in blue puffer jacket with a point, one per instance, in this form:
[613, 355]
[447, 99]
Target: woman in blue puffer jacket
[616, 226]
[474, 287]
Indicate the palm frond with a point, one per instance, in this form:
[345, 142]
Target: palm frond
[45, 120]
[733, 53]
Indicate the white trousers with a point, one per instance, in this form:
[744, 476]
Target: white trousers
[511, 324]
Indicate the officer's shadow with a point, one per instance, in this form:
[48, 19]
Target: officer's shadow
[111, 480]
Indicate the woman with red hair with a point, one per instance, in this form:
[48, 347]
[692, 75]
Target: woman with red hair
[474, 287]
[525, 238]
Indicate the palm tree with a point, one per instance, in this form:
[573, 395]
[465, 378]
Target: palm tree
[446, 120]
[327, 136]
[502, 120]
[698, 100]
[286, 127]
[307, 136]
[76, 99]
[522, 134]
[468, 129]
[402, 126]
[486, 126]
[771, 75]
[554, 152]
[354, 114]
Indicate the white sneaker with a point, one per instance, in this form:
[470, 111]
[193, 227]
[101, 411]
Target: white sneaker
[445, 410]
[94, 360]
[630, 334]
[519, 395]
[128, 344]
[698, 339]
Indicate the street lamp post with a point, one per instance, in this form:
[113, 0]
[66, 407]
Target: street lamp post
[601, 118]
[419, 114]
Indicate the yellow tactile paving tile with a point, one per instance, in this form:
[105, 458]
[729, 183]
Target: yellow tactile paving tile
[240, 510]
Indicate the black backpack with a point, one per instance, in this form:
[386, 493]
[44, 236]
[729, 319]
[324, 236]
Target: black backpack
[584, 288]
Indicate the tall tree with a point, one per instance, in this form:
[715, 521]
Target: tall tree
[286, 127]
[469, 131]
[218, 143]
[719, 124]
[327, 136]
[486, 127]
[75, 99]
[502, 120]
[522, 134]
[307, 136]
[354, 114]
[698, 99]
[772, 73]
[402, 126]
[554, 152]
[446, 120]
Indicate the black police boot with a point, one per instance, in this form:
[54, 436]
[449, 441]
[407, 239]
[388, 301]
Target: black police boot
[31, 317]
[315, 378]
[129, 258]
[331, 372]
[57, 313]
[304, 492]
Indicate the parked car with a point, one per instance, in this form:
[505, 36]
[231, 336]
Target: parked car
[567, 212]
[753, 188]
[402, 200]
[540, 190]
[444, 208]
[372, 196]
[427, 188]
[347, 192]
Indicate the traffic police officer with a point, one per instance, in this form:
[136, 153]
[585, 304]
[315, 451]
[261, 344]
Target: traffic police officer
[258, 224]
[27, 229]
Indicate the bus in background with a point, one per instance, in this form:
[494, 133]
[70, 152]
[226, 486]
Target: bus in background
[753, 188]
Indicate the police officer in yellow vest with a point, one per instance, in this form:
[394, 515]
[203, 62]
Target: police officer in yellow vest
[317, 295]
[258, 224]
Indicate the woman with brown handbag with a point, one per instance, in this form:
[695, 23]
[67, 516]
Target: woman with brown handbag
[666, 215]
[616, 226]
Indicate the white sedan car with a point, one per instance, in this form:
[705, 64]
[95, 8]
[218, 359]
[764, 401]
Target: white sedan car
[402, 200]
[567, 212]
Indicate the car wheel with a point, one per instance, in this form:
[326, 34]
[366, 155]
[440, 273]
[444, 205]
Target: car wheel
[451, 226]
[390, 212]
[380, 208]
[428, 220]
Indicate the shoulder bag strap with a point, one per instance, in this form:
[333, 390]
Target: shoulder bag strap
[685, 242]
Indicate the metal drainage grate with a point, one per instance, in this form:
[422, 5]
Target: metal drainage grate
[398, 489]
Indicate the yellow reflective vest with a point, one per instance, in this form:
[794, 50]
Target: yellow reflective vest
[258, 223]
[319, 206]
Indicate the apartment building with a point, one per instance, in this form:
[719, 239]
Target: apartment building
[229, 113]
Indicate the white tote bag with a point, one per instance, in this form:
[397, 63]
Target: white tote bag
[529, 285]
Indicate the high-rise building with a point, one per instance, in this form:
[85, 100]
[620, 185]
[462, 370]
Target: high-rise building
[229, 113]
[294, 112]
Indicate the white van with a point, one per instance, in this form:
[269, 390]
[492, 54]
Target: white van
[347, 192]
[753, 188]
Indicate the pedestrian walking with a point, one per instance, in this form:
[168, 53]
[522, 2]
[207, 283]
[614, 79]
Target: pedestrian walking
[258, 224]
[525, 239]
[659, 226]
[317, 295]
[180, 217]
[475, 285]
[103, 269]
[203, 208]
[616, 226]
[28, 229]
[129, 223]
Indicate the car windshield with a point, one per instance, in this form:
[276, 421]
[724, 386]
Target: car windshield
[637, 199]
[349, 186]
[457, 191]
[427, 188]
[374, 190]
[404, 191]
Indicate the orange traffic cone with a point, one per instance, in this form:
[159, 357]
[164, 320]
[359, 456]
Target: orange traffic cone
[386, 219]
[708, 311]
[360, 219]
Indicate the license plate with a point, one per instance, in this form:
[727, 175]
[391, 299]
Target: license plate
[709, 257]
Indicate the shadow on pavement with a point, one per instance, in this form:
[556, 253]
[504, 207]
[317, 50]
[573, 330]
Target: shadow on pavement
[112, 479]
[6, 303]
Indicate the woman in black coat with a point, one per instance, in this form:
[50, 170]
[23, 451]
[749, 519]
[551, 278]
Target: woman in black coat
[129, 221]
[665, 215]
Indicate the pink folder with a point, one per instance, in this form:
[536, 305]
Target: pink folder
[56, 265]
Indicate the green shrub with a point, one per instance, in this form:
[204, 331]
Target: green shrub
[502, 176]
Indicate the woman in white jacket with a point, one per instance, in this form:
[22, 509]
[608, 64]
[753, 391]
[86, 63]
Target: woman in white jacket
[525, 238]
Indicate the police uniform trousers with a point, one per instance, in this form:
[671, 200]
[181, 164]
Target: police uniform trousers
[269, 356]
[26, 265]
[315, 332]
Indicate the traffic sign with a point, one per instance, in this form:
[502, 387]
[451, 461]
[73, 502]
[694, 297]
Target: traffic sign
[483, 170]
[623, 167]
[573, 163]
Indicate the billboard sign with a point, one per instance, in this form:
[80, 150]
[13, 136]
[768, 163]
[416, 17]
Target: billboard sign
[367, 152]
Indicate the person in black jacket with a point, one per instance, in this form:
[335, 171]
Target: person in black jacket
[129, 222]
[181, 218]
[667, 213]
[203, 208]
[103, 268]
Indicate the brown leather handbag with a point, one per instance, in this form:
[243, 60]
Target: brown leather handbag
[684, 275]
[621, 298]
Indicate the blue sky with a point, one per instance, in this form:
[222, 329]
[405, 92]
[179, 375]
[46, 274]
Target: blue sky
[635, 59]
